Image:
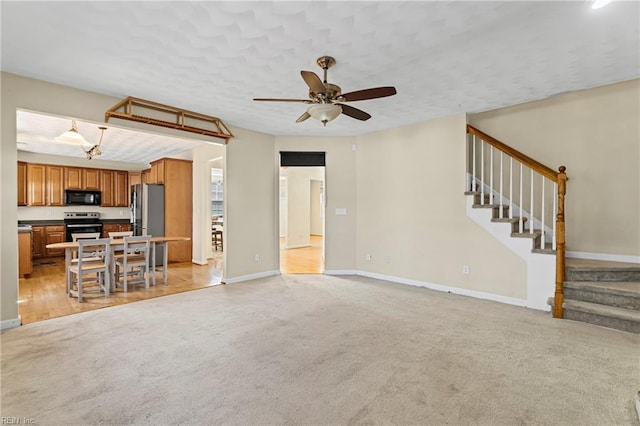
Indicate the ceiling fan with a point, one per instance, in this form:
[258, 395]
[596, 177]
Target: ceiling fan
[328, 100]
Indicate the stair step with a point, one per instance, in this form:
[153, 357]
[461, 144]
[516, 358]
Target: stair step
[621, 294]
[603, 315]
[508, 220]
[527, 234]
[593, 270]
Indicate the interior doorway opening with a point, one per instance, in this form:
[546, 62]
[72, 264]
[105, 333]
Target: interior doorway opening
[302, 218]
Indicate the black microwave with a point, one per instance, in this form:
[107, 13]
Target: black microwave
[74, 197]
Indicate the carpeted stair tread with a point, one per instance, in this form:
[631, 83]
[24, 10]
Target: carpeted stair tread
[621, 288]
[489, 206]
[526, 234]
[508, 219]
[602, 310]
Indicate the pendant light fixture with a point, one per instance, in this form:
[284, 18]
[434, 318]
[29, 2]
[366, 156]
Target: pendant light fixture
[72, 136]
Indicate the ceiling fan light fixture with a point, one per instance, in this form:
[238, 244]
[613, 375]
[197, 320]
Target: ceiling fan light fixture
[325, 112]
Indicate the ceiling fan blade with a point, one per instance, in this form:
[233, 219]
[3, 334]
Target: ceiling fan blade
[363, 95]
[306, 101]
[313, 81]
[303, 117]
[356, 113]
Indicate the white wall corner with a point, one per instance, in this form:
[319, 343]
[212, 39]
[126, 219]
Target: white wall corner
[541, 268]
[10, 323]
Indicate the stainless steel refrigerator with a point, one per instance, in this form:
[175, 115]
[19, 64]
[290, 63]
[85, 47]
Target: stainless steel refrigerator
[147, 213]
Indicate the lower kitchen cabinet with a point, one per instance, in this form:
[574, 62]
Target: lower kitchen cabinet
[114, 227]
[43, 235]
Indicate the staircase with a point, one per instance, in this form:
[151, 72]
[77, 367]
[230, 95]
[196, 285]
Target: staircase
[535, 236]
[603, 293]
[514, 187]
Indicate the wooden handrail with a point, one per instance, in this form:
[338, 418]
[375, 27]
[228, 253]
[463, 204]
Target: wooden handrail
[561, 179]
[547, 172]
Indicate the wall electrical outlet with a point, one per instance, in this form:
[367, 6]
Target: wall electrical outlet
[387, 259]
[257, 258]
[466, 270]
[368, 257]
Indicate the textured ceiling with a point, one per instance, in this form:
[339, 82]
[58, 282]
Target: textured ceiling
[214, 57]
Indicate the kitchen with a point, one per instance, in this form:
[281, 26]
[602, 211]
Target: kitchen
[58, 194]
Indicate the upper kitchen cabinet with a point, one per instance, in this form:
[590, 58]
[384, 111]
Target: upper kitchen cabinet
[55, 185]
[121, 188]
[115, 188]
[81, 178]
[22, 183]
[36, 185]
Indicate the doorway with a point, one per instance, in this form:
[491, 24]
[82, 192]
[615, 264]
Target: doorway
[302, 217]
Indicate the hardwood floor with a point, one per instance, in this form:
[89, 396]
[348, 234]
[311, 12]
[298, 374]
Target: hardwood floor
[305, 260]
[43, 295]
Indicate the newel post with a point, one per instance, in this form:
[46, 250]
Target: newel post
[560, 244]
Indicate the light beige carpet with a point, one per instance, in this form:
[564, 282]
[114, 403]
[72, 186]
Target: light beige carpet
[318, 350]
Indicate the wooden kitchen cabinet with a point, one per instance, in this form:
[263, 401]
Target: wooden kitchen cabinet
[55, 185]
[156, 174]
[91, 179]
[37, 242]
[106, 183]
[178, 206]
[135, 178]
[24, 254]
[54, 234]
[22, 183]
[81, 178]
[115, 188]
[146, 176]
[121, 188]
[73, 178]
[114, 227]
[36, 185]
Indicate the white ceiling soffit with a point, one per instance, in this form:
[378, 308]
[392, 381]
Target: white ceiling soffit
[36, 132]
[214, 57]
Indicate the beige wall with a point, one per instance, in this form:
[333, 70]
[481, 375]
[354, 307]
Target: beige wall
[316, 207]
[412, 217]
[250, 215]
[340, 192]
[596, 134]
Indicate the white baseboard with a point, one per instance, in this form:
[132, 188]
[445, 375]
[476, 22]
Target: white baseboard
[603, 256]
[341, 272]
[10, 323]
[447, 289]
[199, 262]
[250, 277]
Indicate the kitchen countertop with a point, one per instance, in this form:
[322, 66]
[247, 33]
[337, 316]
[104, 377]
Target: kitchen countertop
[41, 222]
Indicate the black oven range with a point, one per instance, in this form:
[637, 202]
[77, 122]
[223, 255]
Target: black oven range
[81, 222]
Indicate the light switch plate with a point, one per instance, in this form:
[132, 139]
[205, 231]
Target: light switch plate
[341, 212]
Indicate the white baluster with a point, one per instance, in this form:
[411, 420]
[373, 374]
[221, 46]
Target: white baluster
[474, 184]
[510, 187]
[531, 212]
[542, 239]
[521, 211]
[500, 195]
[491, 175]
[481, 172]
[555, 213]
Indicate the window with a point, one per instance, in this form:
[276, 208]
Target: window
[217, 206]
